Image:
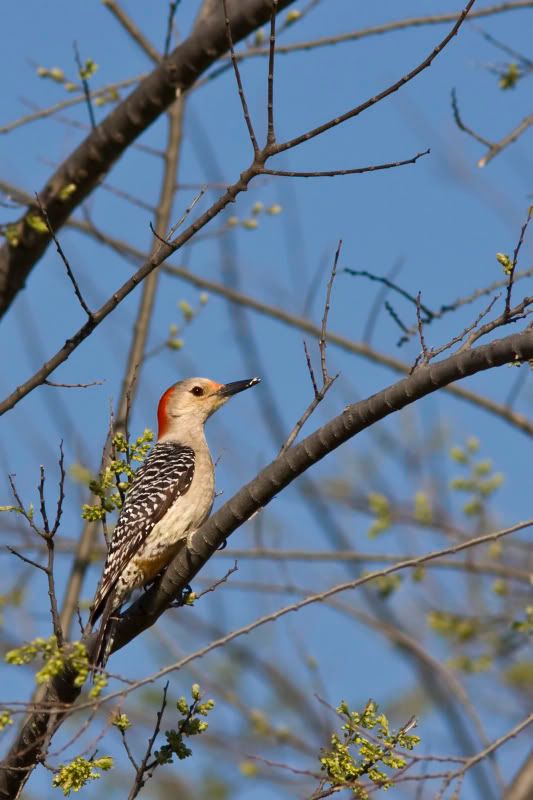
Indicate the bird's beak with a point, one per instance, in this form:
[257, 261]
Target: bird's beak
[229, 389]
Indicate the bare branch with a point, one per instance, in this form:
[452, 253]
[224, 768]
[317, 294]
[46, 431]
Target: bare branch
[310, 369]
[336, 172]
[237, 72]
[144, 770]
[515, 259]
[322, 344]
[172, 8]
[271, 133]
[59, 249]
[497, 147]
[134, 32]
[73, 385]
[85, 84]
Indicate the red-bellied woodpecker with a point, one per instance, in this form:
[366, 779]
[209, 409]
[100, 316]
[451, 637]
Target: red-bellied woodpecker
[170, 497]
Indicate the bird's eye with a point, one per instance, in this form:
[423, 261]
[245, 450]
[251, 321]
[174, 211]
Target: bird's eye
[197, 391]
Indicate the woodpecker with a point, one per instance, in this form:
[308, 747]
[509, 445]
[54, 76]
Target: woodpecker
[169, 498]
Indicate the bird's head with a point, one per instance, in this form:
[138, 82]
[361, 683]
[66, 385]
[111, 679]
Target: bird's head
[192, 401]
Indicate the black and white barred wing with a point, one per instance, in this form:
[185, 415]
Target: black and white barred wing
[166, 474]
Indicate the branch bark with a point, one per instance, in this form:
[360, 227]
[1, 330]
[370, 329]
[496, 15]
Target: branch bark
[30, 746]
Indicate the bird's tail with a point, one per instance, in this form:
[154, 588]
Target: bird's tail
[104, 638]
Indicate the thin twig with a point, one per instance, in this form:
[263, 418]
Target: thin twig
[322, 344]
[336, 172]
[473, 760]
[219, 582]
[25, 558]
[72, 385]
[436, 351]
[381, 295]
[65, 260]
[461, 125]
[128, 751]
[271, 133]
[310, 369]
[508, 139]
[42, 113]
[394, 314]
[85, 84]
[133, 30]
[172, 8]
[327, 380]
[240, 89]
[515, 260]
[388, 282]
[420, 324]
[140, 779]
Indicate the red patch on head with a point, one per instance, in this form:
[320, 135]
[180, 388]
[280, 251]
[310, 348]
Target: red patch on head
[162, 412]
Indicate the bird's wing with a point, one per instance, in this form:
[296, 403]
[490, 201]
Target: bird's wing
[166, 474]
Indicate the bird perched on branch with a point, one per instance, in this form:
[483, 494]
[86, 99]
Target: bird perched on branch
[169, 498]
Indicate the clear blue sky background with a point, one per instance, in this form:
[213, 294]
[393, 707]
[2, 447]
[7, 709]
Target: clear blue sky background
[443, 218]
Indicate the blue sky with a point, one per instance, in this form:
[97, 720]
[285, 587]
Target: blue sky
[442, 218]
